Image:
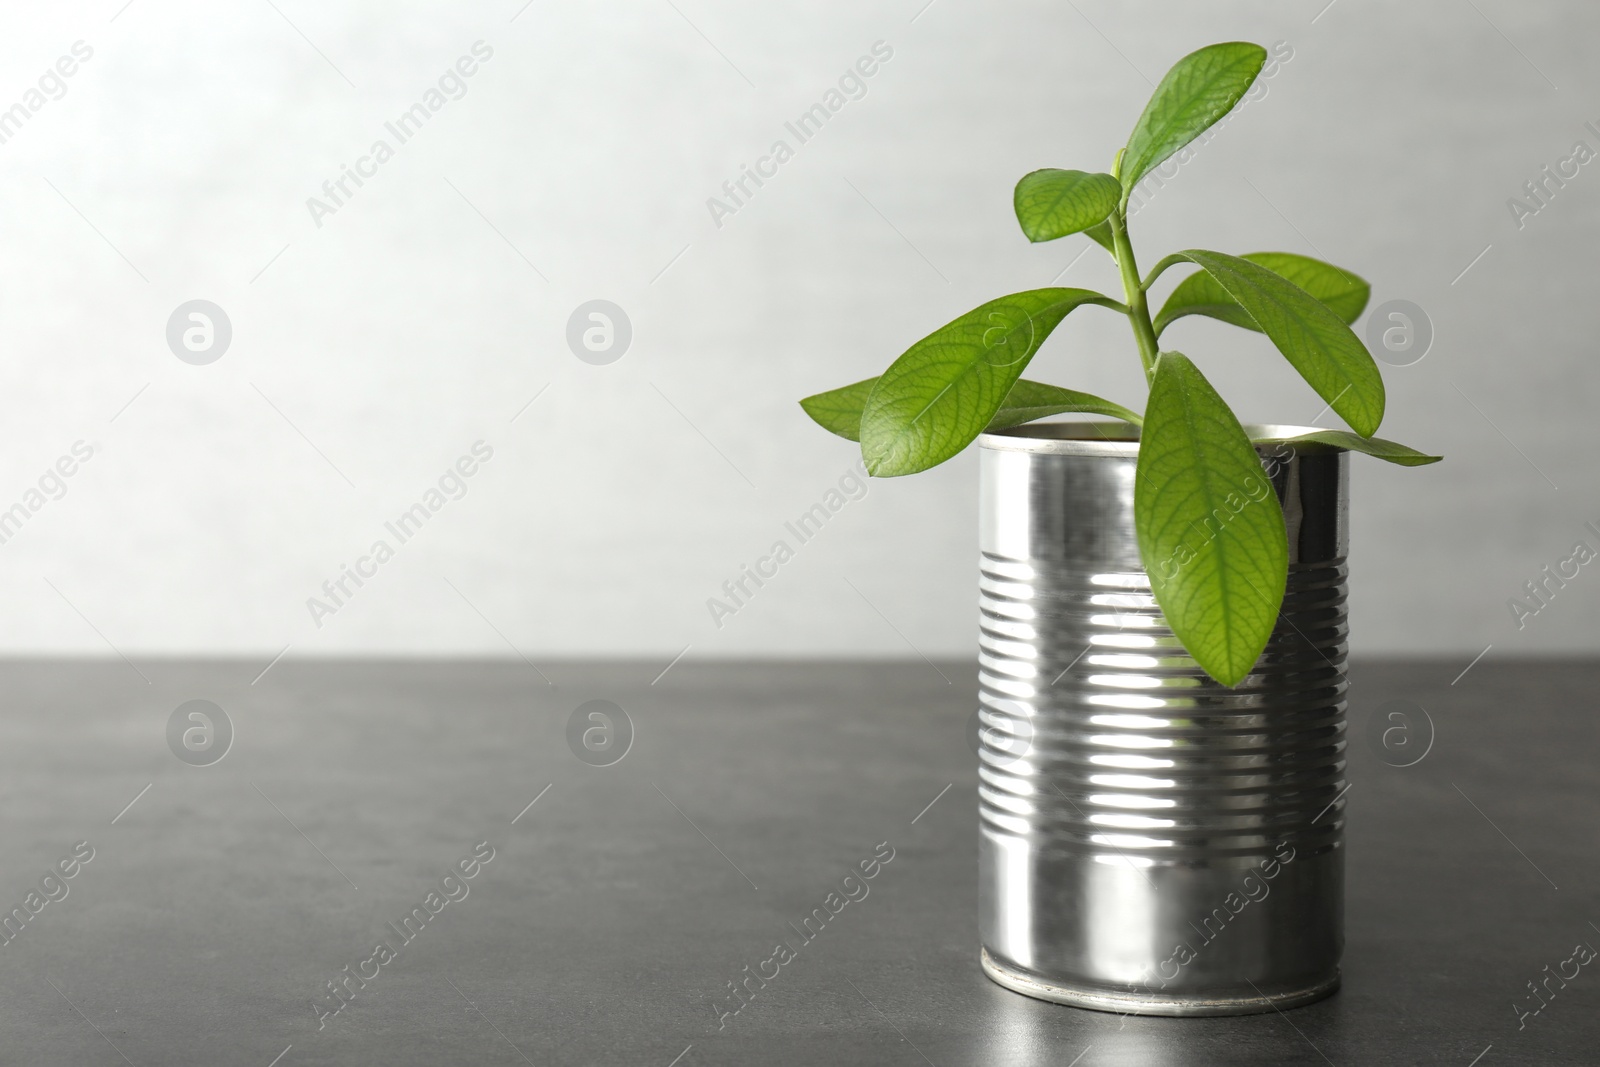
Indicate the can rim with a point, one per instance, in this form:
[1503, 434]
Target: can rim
[1086, 437]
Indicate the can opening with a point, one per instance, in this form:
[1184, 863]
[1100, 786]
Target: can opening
[1094, 437]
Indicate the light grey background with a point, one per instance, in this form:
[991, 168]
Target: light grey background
[371, 352]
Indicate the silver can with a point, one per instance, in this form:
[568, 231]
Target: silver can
[1150, 840]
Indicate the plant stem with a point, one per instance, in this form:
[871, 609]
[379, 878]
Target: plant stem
[1144, 332]
[1160, 268]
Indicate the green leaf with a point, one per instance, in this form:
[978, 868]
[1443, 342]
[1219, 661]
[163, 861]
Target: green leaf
[839, 410]
[1342, 292]
[1054, 203]
[1199, 89]
[1210, 530]
[1101, 234]
[940, 394]
[1028, 401]
[1389, 451]
[1312, 338]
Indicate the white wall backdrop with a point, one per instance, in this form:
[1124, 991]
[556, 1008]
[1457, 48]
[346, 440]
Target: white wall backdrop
[375, 345]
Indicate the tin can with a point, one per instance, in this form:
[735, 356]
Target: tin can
[1152, 841]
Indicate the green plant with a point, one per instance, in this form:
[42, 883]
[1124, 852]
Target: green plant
[966, 376]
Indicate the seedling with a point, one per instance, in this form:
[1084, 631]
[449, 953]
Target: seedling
[1216, 555]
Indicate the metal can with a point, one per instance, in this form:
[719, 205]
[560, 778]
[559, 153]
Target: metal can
[1152, 841]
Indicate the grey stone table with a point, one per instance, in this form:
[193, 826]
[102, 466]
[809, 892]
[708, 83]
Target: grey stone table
[221, 900]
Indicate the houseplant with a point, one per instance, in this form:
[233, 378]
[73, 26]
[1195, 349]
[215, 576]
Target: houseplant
[1161, 830]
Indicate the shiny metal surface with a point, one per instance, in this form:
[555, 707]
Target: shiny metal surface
[1151, 841]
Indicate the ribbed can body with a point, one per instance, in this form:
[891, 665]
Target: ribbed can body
[1150, 840]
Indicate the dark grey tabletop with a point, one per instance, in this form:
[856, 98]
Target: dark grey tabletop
[220, 901]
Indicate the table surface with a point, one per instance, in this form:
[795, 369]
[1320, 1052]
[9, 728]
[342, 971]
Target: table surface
[221, 900]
